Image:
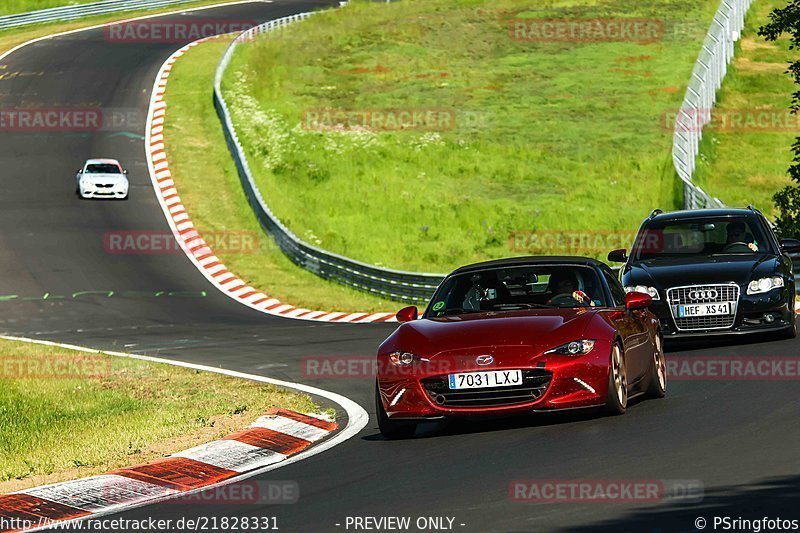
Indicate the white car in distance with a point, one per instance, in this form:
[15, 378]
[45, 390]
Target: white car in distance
[102, 178]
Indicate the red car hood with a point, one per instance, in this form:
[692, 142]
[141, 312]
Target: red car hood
[524, 332]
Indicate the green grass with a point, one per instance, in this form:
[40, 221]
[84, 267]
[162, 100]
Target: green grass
[9, 7]
[207, 181]
[742, 167]
[68, 425]
[548, 136]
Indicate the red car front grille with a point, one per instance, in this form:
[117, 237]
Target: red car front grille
[534, 384]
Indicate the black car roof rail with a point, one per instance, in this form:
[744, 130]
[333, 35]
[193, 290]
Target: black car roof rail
[655, 212]
[753, 209]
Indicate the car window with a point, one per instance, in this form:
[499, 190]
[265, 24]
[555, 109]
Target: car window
[700, 236]
[617, 292]
[103, 168]
[518, 287]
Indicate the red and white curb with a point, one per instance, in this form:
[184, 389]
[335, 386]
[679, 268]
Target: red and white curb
[275, 440]
[271, 439]
[193, 244]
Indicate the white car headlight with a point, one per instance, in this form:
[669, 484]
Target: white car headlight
[760, 286]
[642, 288]
[581, 347]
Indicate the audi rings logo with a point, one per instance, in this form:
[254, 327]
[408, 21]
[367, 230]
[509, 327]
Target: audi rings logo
[705, 294]
[484, 360]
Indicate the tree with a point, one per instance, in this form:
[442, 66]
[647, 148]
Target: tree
[787, 21]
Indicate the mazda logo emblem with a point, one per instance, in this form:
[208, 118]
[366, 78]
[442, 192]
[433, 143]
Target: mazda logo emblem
[484, 360]
[703, 294]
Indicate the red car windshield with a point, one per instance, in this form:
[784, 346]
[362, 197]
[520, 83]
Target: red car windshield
[520, 287]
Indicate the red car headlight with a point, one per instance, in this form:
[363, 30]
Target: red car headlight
[580, 347]
[402, 358]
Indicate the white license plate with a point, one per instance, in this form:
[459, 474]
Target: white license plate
[723, 308]
[481, 380]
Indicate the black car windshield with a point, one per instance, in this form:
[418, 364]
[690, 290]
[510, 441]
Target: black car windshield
[519, 287]
[700, 236]
[102, 168]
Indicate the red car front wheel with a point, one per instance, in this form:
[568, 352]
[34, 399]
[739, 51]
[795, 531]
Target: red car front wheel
[617, 398]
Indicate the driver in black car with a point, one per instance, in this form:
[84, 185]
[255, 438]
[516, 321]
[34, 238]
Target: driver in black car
[737, 234]
[564, 286]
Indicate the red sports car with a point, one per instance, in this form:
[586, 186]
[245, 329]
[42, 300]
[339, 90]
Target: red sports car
[520, 335]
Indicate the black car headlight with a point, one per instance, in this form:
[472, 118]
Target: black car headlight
[581, 347]
[645, 289]
[760, 286]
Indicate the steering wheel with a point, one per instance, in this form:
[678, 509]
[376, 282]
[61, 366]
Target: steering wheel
[732, 247]
[563, 300]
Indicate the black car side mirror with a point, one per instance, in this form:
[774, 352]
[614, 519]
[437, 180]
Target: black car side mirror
[618, 256]
[790, 246]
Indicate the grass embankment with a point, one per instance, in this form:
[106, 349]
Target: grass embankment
[12, 37]
[206, 178]
[61, 422]
[744, 160]
[549, 135]
[10, 7]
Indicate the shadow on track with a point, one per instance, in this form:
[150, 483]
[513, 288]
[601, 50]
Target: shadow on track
[739, 343]
[472, 426]
[772, 498]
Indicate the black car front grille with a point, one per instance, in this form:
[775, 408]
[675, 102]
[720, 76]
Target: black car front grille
[701, 294]
[534, 384]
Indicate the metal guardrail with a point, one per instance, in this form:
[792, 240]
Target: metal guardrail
[64, 13]
[695, 112]
[397, 285]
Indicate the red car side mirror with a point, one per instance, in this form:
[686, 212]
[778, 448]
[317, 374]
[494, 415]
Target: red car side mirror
[407, 314]
[637, 300]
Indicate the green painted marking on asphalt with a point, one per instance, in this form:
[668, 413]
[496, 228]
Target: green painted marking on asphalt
[105, 294]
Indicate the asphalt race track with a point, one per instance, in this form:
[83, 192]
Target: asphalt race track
[738, 438]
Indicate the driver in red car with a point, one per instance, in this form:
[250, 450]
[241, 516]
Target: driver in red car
[564, 285]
